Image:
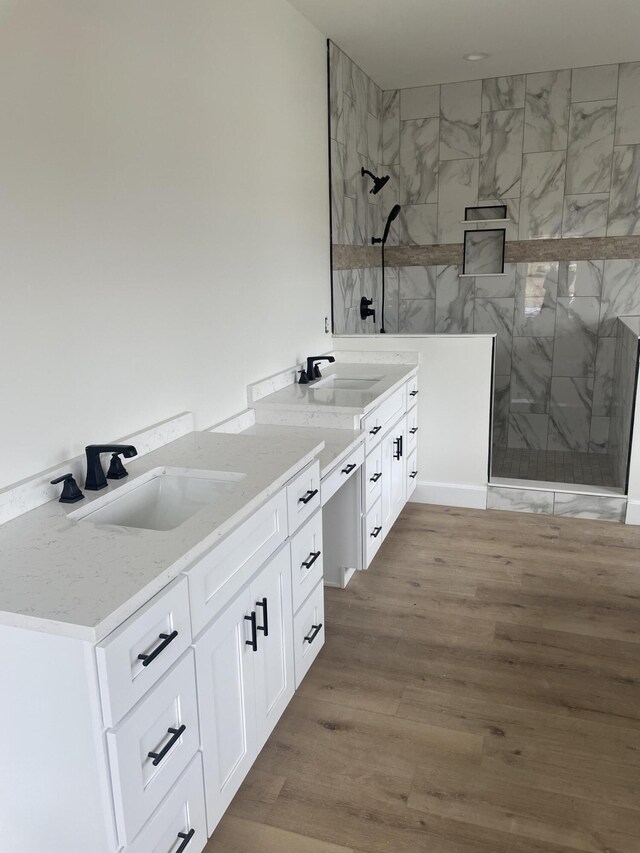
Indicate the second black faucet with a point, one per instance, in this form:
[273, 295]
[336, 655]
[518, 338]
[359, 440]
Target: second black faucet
[95, 473]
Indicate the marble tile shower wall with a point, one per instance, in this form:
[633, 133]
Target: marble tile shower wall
[623, 394]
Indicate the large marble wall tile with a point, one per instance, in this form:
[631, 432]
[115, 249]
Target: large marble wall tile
[620, 294]
[580, 278]
[460, 109]
[374, 98]
[536, 294]
[503, 93]
[596, 83]
[420, 102]
[546, 121]
[501, 154]
[589, 506]
[336, 93]
[337, 193]
[576, 336]
[458, 189]
[362, 221]
[373, 141]
[624, 208]
[454, 302]
[501, 388]
[541, 204]
[391, 127]
[391, 301]
[628, 122]
[599, 435]
[417, 316]
[528, 432]
[495, 316]
[590, 149]
[484, 252]
[603, 383]
[347, 287]
[349, 223]
[520, 500]
[501, 286]
[419, 161]
[531, 375]
[570, 413]
[352, 159]
[585, 215]
[416, 224]
[513, 215]
[417, 282]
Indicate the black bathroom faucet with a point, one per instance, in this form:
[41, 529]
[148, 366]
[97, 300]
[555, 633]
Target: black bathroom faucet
[313, 371]
[96, 479]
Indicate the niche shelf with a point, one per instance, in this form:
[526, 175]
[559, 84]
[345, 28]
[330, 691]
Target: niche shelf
[483, 252]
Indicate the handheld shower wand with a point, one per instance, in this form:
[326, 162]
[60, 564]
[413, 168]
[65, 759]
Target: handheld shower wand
[393, 214]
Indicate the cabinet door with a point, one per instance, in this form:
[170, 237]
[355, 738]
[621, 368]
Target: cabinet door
[273, 663]
[225, 663]
[394, 466]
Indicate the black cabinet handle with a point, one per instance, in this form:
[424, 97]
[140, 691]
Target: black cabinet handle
[166, 639]
[176, 734]
[315, 630]
[313, 556]
[413, 393]
[375, 430]
[376, 477]
[376, 532]
[253, 642]
[398, 444]
[309, 496]
[413, 475]
[349, 468]
[186, 838]
[413, 430]
[265, 617]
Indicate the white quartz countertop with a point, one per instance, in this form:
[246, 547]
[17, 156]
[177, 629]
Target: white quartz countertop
[81, 579]
[318, 396]
[338, 443]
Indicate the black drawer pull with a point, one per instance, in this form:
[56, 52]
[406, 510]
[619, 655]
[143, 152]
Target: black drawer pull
[413, 475]
[349, 468]
[176, 734]
[166, 639]
[253, 642]
[265, 617]
[309, 496]
[413, 393]
[313, 556]
[376, 477]
[413, 430]
[375, 430]
[186, 836]
[315, 630]
[398, 451]
[376, 532]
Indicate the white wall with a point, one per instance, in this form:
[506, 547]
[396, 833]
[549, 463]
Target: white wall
[163, 213]
[454, 411]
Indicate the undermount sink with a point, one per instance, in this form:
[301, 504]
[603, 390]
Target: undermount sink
[339, 383]
[162, 499]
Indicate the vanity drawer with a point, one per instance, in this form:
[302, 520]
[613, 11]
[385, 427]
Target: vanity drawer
[377, 422]
[373, 532]
[346, 469]
[308, 632]
[412, 391]
[412, 473]
[216, 578]
[372, 481]
[180, 819]
[134, 656]
[412, 429]
[303, 496]
[152, 746]
[306, 559]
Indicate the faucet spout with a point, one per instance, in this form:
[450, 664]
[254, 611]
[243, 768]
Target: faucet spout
[96, 479]
[313, 371]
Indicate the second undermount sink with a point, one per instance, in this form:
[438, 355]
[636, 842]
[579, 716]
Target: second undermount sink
[342, 383]
[162, 499]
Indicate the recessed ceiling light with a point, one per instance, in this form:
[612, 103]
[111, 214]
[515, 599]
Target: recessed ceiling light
[475, 57]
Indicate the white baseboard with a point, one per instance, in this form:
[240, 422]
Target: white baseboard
[633, 512]
[451, 494]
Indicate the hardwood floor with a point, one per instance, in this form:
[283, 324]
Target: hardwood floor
[479, 692]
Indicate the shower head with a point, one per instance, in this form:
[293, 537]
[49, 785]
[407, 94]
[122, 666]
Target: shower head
[393, 214]
[378, 183]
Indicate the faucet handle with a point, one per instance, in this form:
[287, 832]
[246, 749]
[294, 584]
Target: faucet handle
[71, 493]
[116, 471]
[304, 379]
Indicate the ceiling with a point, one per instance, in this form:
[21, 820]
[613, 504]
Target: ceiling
[401, 43]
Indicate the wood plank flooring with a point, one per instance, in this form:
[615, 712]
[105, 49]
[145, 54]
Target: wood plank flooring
[479, 692]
